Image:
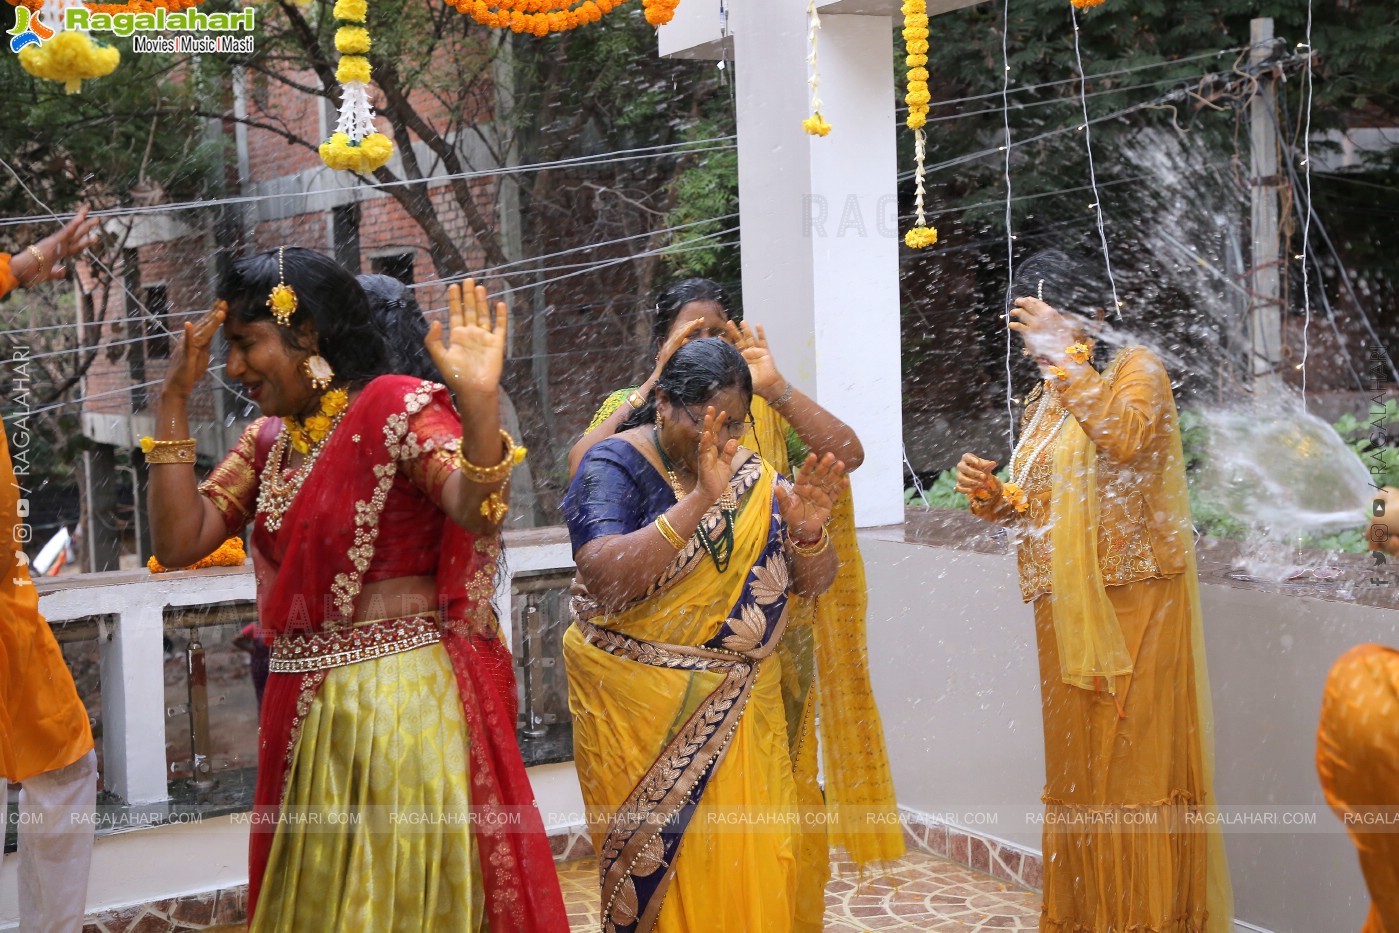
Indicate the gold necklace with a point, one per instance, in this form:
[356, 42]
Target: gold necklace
[276, 490]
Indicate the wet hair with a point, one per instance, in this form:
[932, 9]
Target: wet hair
[328, 298]
[1068, 284]
[401, 321]
[677, 296]
[694, 374]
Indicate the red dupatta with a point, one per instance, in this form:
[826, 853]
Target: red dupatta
[317, 559]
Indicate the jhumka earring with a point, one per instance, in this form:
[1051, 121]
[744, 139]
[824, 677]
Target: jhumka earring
[318, 369]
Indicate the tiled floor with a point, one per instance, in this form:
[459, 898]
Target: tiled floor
[920, 892]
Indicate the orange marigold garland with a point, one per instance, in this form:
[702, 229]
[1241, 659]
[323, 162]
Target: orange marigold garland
[229, 554]
[542, 17]
[1085, 4]
[355, 146]
[916, 44]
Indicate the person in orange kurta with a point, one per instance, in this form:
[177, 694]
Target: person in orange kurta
[1097, 505]
[1357, 747]
[45, 738]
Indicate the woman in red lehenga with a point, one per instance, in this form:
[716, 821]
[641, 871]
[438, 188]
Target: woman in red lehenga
[391, 794]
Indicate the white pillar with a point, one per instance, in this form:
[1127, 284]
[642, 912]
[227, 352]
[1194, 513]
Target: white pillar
[133, 706]
[820, 236]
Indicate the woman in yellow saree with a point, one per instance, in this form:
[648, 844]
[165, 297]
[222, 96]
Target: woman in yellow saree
[1098, 504]
[824, 654]
[688, 549]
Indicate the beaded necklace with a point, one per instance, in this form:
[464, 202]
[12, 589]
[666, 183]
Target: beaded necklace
[720, 551]
[276, 490]
[1020, 469]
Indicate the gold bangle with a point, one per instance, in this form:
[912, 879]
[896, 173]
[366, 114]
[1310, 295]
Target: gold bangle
[43, 265]
[489, 476]
[168, 451]
[636, 401]
[664, 527]
[820, 547]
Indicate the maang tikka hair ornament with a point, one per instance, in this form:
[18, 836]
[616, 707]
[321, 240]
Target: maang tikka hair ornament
[282, 298]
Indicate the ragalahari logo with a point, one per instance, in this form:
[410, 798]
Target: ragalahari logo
[28, 30]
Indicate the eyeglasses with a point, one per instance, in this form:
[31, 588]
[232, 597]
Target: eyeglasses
[734, 429]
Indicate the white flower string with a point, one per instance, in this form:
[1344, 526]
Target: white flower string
[815, 124]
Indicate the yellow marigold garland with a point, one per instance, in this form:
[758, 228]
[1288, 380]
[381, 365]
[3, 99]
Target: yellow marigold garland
[229, 554]
[916, 46]
[1085, 4]
[71, 56]
[354, 146]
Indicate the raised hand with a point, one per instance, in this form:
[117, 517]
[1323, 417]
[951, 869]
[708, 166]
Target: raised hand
[674, 342]
[190, 361]
[714, 462]
[975, 478]
[807, 507]
[1045, 331]
[752, 342]
[474, 357]
[75, 237]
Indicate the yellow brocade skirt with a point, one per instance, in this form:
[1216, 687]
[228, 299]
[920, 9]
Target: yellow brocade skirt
[736, 867]
[375, 832]
[1119, 854]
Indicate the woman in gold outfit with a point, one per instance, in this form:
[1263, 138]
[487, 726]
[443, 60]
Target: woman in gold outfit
[824, 654]
[1097, 505]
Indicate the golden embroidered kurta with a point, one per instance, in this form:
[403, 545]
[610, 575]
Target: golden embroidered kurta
[1124, 770]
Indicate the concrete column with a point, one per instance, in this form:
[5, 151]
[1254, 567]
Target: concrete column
[819, 230]
[133, 705]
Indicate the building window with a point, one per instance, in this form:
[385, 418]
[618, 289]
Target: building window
[157, 323]
[398, 266]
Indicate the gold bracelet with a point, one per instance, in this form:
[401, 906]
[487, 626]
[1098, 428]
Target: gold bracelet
[168, 451]
[636, 401]
[43, 261]
[664, 527]
[489, 476]
[820, 547]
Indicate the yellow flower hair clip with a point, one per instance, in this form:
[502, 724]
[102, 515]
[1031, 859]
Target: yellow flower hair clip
[282, 298]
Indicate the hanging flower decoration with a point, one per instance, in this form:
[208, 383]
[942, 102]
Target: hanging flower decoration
[1085, 4]
[71, 56]
[815, 124]
[916, 45]
[542, 17]
[355, 146]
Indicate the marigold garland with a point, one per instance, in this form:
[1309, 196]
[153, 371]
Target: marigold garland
[916, 46]
[355, 146]
[71, 56]
[315, 428]
[1085, 4]
[542, 17]
[815, 124]
[229, 554]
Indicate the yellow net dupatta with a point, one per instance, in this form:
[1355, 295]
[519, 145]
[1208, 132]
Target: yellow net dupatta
[1092, 651]
[859, 789]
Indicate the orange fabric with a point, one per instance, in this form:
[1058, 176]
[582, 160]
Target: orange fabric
[43, 724]
[1146, 759]
[1357, 758]
[8, 282]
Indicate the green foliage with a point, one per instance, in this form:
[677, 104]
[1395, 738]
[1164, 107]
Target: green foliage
[939, 494]
[706, 188]
[1373, 443]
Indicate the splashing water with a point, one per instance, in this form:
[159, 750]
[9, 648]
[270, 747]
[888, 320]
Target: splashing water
[1284, 474]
